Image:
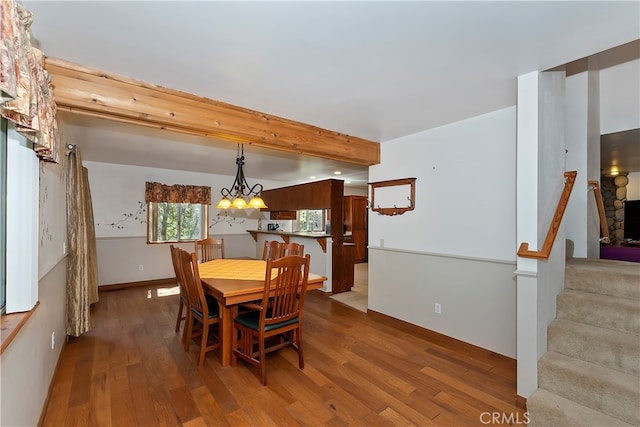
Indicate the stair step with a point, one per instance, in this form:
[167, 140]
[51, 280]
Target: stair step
[612, 349]
[611, 392]
[596, 276]
[600, 310]
[548, 409]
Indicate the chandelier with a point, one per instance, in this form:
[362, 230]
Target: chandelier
[236, 196]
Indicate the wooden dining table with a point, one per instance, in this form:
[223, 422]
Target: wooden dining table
[235, 281]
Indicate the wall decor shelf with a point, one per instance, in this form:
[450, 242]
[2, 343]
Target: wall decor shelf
[394, 197]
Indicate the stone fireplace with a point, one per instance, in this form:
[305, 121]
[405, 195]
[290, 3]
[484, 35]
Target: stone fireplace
[614, 194]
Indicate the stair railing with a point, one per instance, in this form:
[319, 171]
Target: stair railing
[604, 230]
[523, 251]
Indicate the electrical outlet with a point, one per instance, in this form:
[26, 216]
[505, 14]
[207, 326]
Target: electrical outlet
[437, 308]
[382, 243]
[64, 248]
[141, 267]
[53, 340]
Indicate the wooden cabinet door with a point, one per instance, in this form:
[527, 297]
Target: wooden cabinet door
[283, 215]
[360, 241]
[359, 213]
[355, 218]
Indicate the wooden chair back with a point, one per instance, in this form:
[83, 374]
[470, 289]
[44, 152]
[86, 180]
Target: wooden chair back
[175, 260]
[285, 302]
[209, 249]
[292, 249]
[271, 250]
[277, 315]
[190, 276]
[200, 310]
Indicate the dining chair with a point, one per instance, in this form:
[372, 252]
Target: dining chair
[271, 250]
[202, 310]
[278, 315]
[184, 303]
[292, 249]
[209, 249]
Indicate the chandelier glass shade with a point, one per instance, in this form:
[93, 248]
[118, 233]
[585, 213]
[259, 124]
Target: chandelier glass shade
[236, 196]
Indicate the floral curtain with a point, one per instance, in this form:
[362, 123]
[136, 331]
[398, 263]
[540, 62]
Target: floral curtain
[160, 193]
[26, 95]
[82, 261]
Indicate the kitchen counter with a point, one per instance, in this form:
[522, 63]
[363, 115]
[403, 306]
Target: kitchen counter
[310, 234]
[319, 237]
[334, 261]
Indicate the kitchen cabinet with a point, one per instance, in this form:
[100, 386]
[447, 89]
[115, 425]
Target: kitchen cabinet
[283, 215]
[355, 221]
[327, 194]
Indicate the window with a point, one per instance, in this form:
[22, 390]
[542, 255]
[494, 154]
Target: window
[311, 220]
[3, 216]
[176, 213]
[176, 222]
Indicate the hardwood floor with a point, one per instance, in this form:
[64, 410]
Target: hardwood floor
[360, 369]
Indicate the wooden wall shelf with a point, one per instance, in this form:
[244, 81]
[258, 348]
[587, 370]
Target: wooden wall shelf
[389, 197]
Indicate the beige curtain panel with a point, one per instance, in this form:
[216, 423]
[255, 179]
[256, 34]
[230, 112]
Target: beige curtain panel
[26, 95]
[82, 262]
[160, 193]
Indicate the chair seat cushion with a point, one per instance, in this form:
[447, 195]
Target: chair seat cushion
[214, 310]
[252, 320]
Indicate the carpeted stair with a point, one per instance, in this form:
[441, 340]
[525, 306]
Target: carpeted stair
[591, 373]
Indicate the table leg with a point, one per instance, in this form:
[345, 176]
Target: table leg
[226, 329]
[226, 333]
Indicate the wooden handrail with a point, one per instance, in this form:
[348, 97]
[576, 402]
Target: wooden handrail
[604, 230]
[523, 251]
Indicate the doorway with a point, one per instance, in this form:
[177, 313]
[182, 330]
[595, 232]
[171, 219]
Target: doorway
[358, 297]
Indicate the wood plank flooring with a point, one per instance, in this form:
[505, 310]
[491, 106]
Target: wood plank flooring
[360, 370]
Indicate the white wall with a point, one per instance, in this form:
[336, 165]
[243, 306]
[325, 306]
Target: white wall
[541, 165]
[576, 142]
[27, 365]
[633, 187]
[620, 97]
[551, 167]
[119, 212]
[458, 245]
[356, 191]
[465, 191]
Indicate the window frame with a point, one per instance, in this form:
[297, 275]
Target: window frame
[152, 219]
[321, 226]
[3, 214]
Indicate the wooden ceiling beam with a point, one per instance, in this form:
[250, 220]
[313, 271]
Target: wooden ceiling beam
[92, 92]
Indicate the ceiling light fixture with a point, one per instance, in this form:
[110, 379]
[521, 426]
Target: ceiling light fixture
[240, 190]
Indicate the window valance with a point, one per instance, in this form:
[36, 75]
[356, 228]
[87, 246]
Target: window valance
[159, 193]
[26, 95]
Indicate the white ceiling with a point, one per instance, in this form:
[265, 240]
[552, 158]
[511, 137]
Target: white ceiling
[376, 70]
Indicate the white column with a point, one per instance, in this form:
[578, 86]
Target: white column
[527, 231]
[576, 131]
[593, 156]
[540, 170]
